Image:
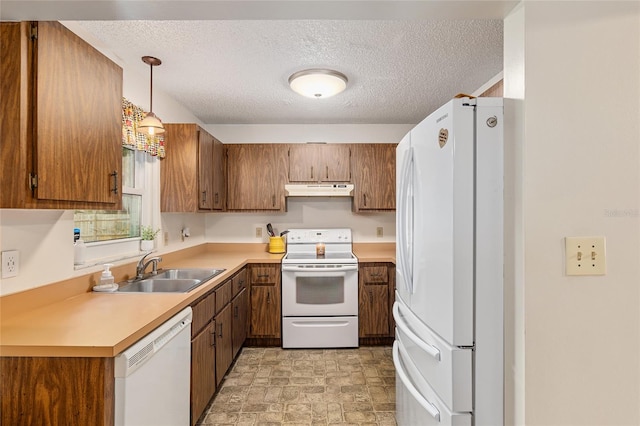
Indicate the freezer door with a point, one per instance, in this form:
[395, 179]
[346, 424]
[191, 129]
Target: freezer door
[404, 218]
[448, 369]
[443, 221]
[416, 402]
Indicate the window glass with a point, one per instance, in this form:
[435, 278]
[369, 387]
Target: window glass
[105, 225]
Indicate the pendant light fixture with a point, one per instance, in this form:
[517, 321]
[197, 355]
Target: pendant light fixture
[318, 83]
[151, 125]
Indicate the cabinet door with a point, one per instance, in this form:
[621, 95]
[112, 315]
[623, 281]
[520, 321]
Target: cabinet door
[224, 343]
[179, 184]
[374, 310]
[265, 311]
[374, 176]
[78, 119]
[205, 170]
[239, 306]
[302, 159]
[256, 174]
[219, 181]
[335, 163]
[203, 370]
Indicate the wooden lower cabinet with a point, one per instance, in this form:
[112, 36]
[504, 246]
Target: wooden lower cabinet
[203, 370]
[265, 317]
[239, 310]
[57, 391]
[224, 345]
[376, 287]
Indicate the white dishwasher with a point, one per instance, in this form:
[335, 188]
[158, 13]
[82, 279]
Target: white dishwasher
[153, 376]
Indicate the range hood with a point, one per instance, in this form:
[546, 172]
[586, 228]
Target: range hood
[319, 190]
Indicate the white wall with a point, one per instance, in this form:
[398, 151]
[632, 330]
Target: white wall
[578, 132]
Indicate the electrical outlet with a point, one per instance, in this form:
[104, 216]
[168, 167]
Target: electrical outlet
[166, 238]
[10, 263]
[379, 232]
[585, 256]
[258, 232]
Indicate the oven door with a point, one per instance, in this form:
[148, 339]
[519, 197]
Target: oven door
[319, 290]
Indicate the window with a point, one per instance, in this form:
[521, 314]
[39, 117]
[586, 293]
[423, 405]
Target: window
[107, 225]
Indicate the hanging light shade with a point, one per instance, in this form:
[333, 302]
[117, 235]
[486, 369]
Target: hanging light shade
[318, 83]
[151, 124]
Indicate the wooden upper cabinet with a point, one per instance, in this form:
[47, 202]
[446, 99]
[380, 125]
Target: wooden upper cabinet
[60, 120]
[205, 170]
[374, 177]
[219, 181]
[188, 173]
[256, 174]
[319, 163]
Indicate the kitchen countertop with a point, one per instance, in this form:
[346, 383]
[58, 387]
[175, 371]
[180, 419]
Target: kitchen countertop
[67, 319]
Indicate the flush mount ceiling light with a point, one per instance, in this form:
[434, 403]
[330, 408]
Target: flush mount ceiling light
[318, 83]
[151, 125]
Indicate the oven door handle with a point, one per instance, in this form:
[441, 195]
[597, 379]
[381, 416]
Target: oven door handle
[312, 272]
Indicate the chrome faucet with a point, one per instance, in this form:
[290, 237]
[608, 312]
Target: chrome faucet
[142, 265]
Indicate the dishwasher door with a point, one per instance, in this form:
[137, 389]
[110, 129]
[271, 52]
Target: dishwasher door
[152, 377]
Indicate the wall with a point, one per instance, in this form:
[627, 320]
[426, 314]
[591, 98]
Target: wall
[577, 146]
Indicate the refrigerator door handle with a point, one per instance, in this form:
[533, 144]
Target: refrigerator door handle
[405, 220]
[429, 407]
[401, 324]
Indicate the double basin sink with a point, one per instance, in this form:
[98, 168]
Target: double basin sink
[170, 281]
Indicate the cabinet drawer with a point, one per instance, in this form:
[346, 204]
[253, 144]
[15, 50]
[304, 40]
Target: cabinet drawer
[223, 295]
[265, 275]
[375, 274]
[203, 311]
[239, 281]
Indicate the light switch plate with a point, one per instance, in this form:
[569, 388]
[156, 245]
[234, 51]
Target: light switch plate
[585, 256]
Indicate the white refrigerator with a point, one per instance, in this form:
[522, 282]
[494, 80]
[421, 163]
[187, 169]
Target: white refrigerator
[448, 351]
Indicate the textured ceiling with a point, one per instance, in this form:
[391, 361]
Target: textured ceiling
[235, 71]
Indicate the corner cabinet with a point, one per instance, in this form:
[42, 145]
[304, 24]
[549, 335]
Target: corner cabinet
[265, 305]
[60, 120]
[256, 174]
[374, 177]
[192, 174]
[376, 288]
[319, 163]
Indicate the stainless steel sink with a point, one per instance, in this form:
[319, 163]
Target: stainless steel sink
[170, 281]
[194, 273]
[160, 285]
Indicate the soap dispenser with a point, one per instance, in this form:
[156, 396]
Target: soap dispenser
[106, 277]
[106, 280]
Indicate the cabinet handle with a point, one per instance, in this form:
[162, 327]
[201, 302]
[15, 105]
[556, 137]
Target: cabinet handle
[115, 182]
[370, 297]
[263, 275]
[327, 172]
[213, 338]
[364, 196]
[204, 196]
[268, 298]
[273, 201]
[215, 198]
[221, 330]
[235, 314]
[311, 172]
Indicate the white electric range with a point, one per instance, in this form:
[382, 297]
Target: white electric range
[319, 289]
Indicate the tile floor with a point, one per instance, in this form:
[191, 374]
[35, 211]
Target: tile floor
[274, 386]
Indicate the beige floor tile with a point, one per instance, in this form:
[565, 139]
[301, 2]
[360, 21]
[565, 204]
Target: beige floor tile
[318, 387]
